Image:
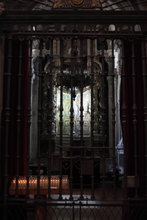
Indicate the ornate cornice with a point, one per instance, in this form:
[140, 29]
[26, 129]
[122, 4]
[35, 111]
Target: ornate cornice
[72, 16]
[77, 4]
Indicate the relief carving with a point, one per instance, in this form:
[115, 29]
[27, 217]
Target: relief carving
[77, 3]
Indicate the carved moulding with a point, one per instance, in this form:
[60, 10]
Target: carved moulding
[77, 3]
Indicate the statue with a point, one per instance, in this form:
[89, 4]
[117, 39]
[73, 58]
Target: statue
[77, 3]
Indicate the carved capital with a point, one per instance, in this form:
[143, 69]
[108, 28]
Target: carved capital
[77, 4]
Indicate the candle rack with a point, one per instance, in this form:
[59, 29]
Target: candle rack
[21, 186]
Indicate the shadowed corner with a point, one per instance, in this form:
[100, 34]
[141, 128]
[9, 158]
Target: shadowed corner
[2, 7]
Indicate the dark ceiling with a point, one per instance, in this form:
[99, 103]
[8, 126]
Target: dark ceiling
[47, 4]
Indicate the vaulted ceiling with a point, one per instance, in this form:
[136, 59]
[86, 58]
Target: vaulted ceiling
[47, 4]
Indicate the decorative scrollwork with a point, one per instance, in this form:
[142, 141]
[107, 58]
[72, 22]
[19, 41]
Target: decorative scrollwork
[77, 3]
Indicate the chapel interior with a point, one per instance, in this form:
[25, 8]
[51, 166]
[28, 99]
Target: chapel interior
[73, 109]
